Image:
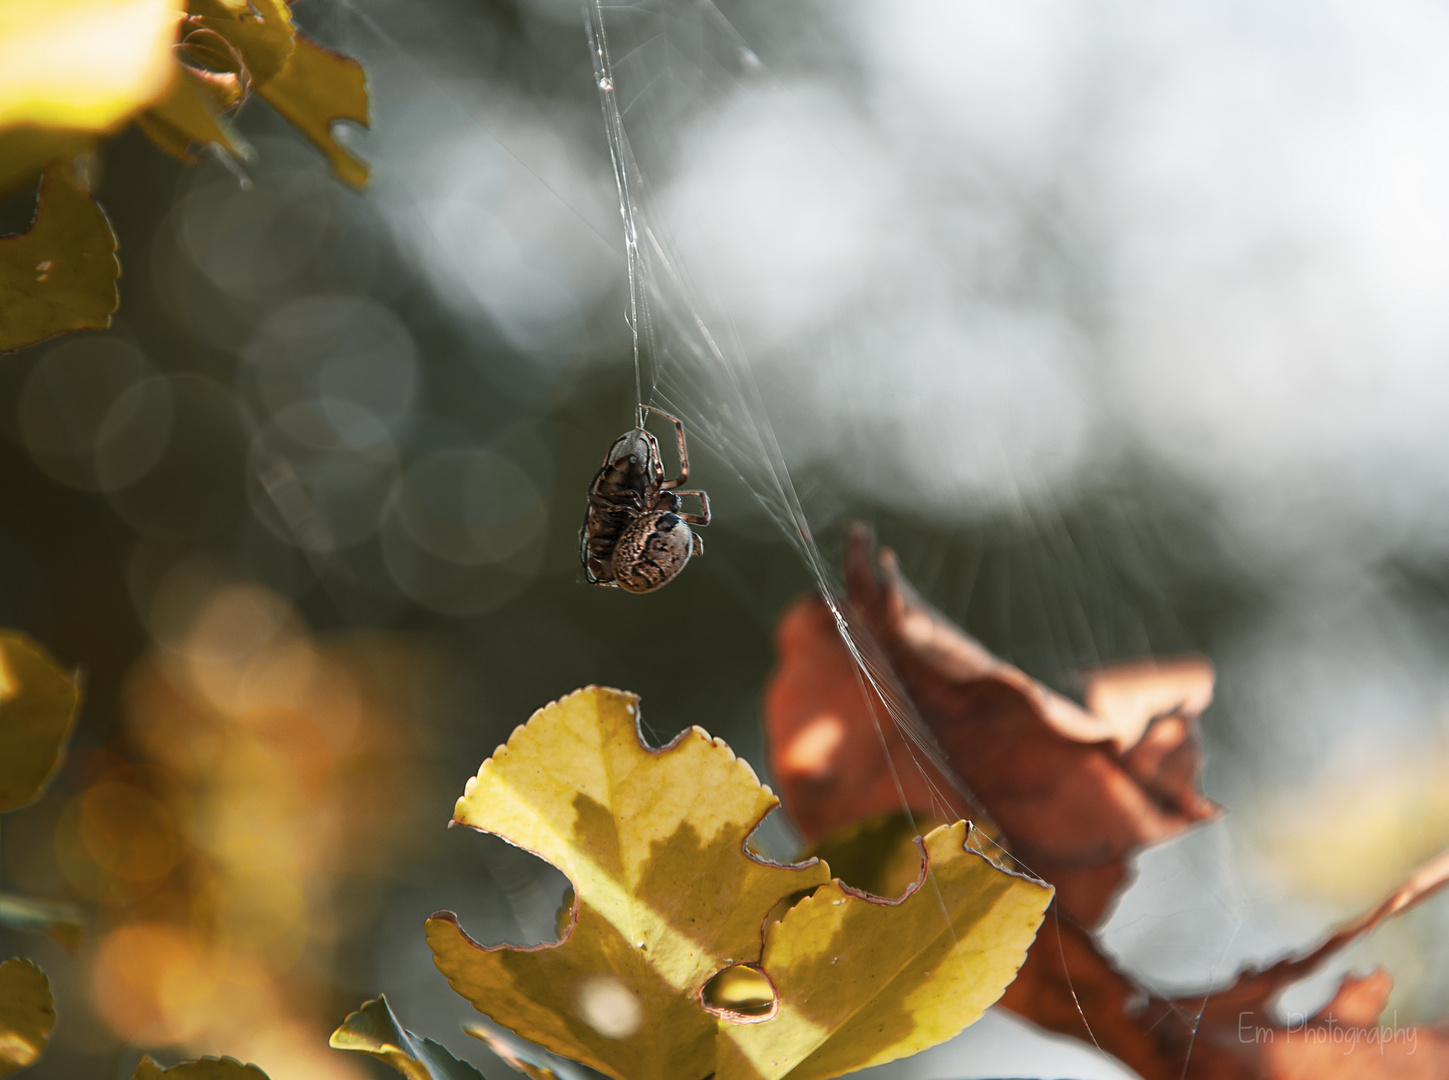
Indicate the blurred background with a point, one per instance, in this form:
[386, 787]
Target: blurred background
[1126, 326]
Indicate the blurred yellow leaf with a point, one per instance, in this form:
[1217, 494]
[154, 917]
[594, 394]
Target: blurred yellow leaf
[207, 1068]
[38, 703]
[310, 86]
[27, 149]
[60, 922]
[316, 89]
[73, 69]
[61, 274]
[374, 1030]
[27, 1013]
[186, 113]
[261, 30]
[83, 64]
[669, 901]
[1392, 813]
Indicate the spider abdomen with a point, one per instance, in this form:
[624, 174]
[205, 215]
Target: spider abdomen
[636, 535]
[651, 551]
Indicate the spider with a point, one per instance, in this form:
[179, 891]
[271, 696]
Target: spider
[635, 536]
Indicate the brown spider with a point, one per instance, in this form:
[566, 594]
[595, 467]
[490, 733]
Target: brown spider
[635, 536]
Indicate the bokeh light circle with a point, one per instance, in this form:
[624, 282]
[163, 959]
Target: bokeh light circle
[67, 399]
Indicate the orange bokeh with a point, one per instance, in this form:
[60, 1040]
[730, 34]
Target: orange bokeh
[261, 765]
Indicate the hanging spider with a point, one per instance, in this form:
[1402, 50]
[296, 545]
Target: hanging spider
[635, 535]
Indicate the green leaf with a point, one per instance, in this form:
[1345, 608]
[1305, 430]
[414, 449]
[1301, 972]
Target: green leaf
[671, 968]
[374, 1030]
[207, 1068]
[38, 703]
[61, 922]
[27, 1014]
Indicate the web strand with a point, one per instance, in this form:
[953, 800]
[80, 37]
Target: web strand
[694, 366]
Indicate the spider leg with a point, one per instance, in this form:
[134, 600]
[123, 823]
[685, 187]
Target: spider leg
[698, 544]
[683, 477]
[701, 518]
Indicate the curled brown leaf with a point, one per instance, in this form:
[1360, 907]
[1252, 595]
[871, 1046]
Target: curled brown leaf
[1075, 791]
[1069, 985]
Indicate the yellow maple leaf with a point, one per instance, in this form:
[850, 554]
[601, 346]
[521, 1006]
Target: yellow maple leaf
[672, 966]
[27, 1014]
[71, 70]
[311, 87]
[260, 30]
[38, 703]
[60, 274]
[317, 88]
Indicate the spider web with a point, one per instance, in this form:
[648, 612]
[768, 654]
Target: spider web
[663, 70]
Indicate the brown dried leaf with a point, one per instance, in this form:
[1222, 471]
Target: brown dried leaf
[1069, 985]
[1074, 791]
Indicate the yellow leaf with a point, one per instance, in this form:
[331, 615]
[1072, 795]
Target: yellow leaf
[71, 70]
[38, 703]
[207, 1068]
[862, 980]
[261, 30]
[27, 149]
[27, 1013]
[667, 969]
[666, 894]
[83, 64]
[878, 854]
[185, 114]
[60, 275]
[315, 89]
[374, 1030]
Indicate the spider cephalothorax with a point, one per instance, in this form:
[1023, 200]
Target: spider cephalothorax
[635, 535]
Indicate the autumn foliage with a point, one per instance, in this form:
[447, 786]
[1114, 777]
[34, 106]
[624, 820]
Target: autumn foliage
[1074, 793]
[80, 71]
